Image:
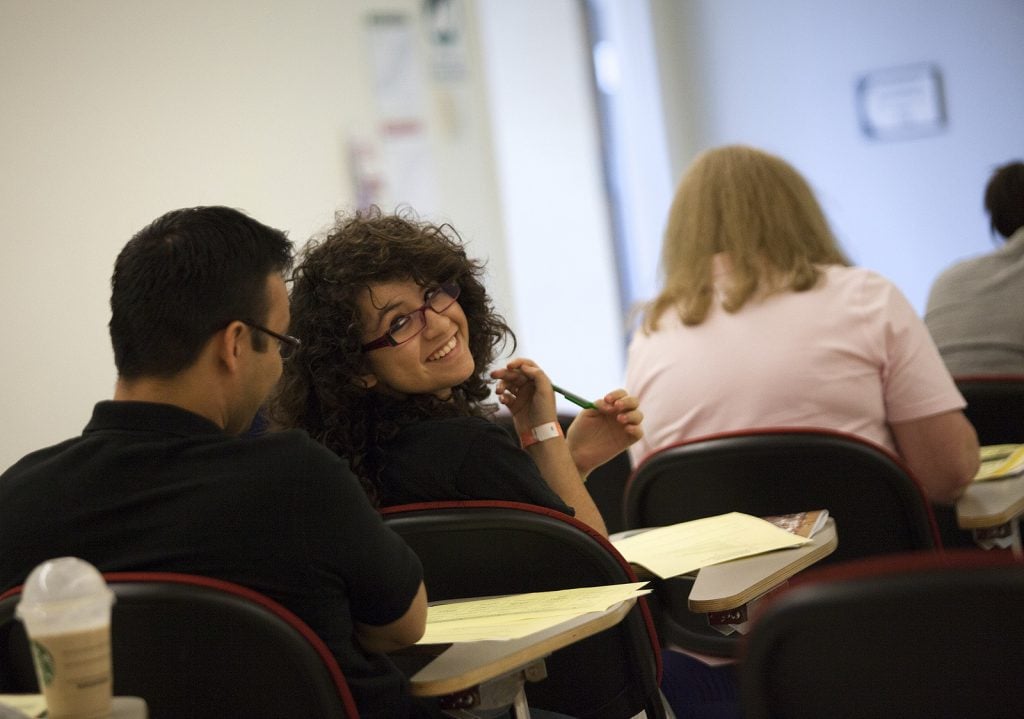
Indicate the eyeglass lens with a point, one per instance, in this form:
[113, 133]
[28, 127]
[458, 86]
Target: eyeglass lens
[286, 349]
[410, 325]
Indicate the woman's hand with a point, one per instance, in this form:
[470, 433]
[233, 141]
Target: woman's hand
[526, 391]
[597, 435]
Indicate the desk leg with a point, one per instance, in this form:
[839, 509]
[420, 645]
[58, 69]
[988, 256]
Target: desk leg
[504, 692]
[520, 710]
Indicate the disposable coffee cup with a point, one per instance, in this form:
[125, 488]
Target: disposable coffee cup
[65, 605]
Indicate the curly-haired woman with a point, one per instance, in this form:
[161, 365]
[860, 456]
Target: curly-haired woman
[398, 337]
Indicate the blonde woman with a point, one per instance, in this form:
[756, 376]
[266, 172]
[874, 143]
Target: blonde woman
[762, 321]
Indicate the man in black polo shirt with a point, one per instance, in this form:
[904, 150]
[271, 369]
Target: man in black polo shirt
[162, 480]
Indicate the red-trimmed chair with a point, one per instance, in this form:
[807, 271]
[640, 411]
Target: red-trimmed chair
[481, 548]
[995, 406]
[916, 636]
[199, 647]
[878, 506]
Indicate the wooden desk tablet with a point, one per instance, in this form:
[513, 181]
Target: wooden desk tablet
[465, 665]
[992, 510]
[991, 503]
[34, 705]
[730, 585]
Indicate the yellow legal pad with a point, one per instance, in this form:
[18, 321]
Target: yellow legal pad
[518, 615]
[688, 546]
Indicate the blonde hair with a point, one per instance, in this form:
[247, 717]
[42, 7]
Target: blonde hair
[758, 210]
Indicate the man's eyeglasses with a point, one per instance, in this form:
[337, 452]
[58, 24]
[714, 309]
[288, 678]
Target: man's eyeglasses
[404, 327]
[286, 344]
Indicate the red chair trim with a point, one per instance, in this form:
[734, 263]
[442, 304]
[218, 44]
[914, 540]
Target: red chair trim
[994, 378]
[251, 595]
[555, 514]
[905, 563]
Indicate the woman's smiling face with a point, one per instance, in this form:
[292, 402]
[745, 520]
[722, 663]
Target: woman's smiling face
[432, 362]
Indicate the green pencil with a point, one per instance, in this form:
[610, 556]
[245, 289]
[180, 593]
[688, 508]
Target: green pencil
[574, 398]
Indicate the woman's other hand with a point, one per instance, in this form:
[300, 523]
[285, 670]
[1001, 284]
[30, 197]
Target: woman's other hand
[597, 435]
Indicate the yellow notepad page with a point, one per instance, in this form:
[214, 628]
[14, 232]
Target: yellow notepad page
[517, 615]
[681, 548]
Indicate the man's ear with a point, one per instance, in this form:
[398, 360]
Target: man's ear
[229, 344]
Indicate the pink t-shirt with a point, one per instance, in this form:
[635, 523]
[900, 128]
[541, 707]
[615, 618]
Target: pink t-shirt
[850, 354]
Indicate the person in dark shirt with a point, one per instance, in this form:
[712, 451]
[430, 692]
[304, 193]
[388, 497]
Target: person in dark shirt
[160, 479]
[398, 336]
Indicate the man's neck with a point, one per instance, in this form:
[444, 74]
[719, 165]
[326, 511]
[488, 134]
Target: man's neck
[173, 391]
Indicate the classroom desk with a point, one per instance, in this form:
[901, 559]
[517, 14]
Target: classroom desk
[492, 674]
[992, 509]
[731, 585]
[34, 705]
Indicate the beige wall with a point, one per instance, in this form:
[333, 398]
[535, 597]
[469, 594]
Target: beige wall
[115, 111]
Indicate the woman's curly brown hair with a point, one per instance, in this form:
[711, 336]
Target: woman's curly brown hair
[321, 390]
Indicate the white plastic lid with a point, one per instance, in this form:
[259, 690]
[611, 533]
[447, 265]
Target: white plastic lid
[65, 591]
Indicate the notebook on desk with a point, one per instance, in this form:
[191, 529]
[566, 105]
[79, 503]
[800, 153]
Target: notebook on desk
[802, 524]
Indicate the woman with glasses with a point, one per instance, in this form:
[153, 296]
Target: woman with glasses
[398, 337]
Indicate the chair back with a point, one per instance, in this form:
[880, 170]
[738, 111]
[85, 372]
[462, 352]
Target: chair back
[200, 647]
[482, 548]
[916, 636]
[995, 406]
[877, 505]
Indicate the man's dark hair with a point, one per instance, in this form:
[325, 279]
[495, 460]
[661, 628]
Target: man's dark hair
[183, 277]
[1004, 198]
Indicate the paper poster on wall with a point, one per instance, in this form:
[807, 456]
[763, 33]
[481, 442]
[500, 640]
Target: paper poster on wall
[902, 102]
[444, 22]
[407, 169]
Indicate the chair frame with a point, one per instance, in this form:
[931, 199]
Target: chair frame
[900, 519]
[480, 538]
[166, 691]
[890, 635]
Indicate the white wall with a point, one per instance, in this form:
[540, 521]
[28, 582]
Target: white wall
[554, 210]
[115, 111]
[781, 75]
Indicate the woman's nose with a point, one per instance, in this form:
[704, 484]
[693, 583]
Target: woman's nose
[435, 322]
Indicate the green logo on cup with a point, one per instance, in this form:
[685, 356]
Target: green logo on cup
[44, 662]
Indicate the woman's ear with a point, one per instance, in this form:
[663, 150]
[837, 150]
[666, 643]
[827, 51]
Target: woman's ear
[366, 381]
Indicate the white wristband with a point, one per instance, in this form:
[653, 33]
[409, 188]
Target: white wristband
[541, 433]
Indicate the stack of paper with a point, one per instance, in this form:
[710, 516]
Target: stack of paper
[518, 615]
[688, 546]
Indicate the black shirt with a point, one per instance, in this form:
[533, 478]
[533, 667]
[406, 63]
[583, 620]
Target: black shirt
[461, 458]
[152, 487]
